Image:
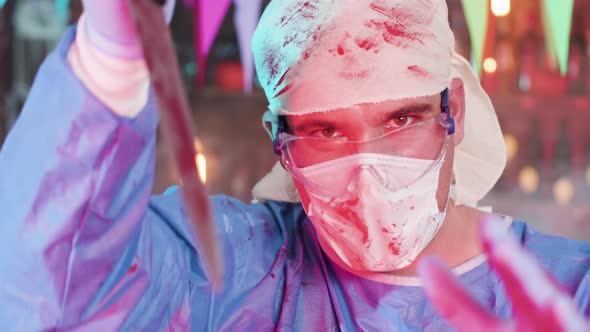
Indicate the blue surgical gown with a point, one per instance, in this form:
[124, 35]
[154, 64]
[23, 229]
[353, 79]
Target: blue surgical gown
[84, 247]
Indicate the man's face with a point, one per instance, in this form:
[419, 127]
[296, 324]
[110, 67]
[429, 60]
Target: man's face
[368, 121]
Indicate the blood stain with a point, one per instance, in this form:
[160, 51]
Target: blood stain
[418, 71]
[133, 268]
[393, 248]
[365, 44]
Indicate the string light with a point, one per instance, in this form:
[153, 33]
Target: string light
[528, 179]
[511, 146]
[202, 166]
[563, 191]
[490, 65]
[500, 7]
[201, 161]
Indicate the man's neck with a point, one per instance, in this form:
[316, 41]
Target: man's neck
[456, 242]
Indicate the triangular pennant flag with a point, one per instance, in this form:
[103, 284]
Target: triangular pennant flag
[557, 21]
[476, 15]
[211, 15]
[549, 42]
[246, 17]
[207, 17]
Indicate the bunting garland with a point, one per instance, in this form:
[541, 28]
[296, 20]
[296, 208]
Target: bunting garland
[208, 16]
[246, 18]
[476, 16]
[211, 15]
[557, 22]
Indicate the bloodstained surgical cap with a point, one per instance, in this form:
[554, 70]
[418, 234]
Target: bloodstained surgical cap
[322, 55]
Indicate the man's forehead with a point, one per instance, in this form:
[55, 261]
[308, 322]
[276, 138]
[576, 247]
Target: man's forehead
[341, 52]
[384, 106]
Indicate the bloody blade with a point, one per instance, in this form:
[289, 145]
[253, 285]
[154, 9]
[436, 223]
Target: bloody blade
[175, 121]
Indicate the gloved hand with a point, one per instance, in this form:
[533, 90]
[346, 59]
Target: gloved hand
[110, 28]
[538, 302]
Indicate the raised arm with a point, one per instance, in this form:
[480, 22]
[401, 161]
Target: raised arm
[76, 173]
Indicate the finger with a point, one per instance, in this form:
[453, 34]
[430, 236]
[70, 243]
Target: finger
[452, 300]
[531, 291]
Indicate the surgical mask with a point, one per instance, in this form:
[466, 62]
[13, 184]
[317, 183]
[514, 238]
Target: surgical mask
[387, 214]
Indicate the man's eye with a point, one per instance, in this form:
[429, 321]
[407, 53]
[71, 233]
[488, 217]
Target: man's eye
[399, 121]
[326, 133]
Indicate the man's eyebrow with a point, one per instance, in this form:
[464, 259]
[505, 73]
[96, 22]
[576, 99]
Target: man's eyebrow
[335, 123]
[314, 123]
[409, 109]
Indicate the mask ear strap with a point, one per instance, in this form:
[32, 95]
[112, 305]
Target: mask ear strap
[278, 125]
[446, 109]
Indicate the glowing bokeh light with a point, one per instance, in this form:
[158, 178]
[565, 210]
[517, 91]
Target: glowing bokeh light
[202, 166]
[563, 191]
[490, 65]
[500, 7]
[528, 180]
[200, 160]
[511, 146]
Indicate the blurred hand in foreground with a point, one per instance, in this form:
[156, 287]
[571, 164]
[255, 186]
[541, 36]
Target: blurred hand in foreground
[538, 302]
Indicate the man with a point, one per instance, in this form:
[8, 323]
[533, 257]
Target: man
[387, 139]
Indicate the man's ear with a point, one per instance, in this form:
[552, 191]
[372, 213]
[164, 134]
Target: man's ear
[457, 103]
